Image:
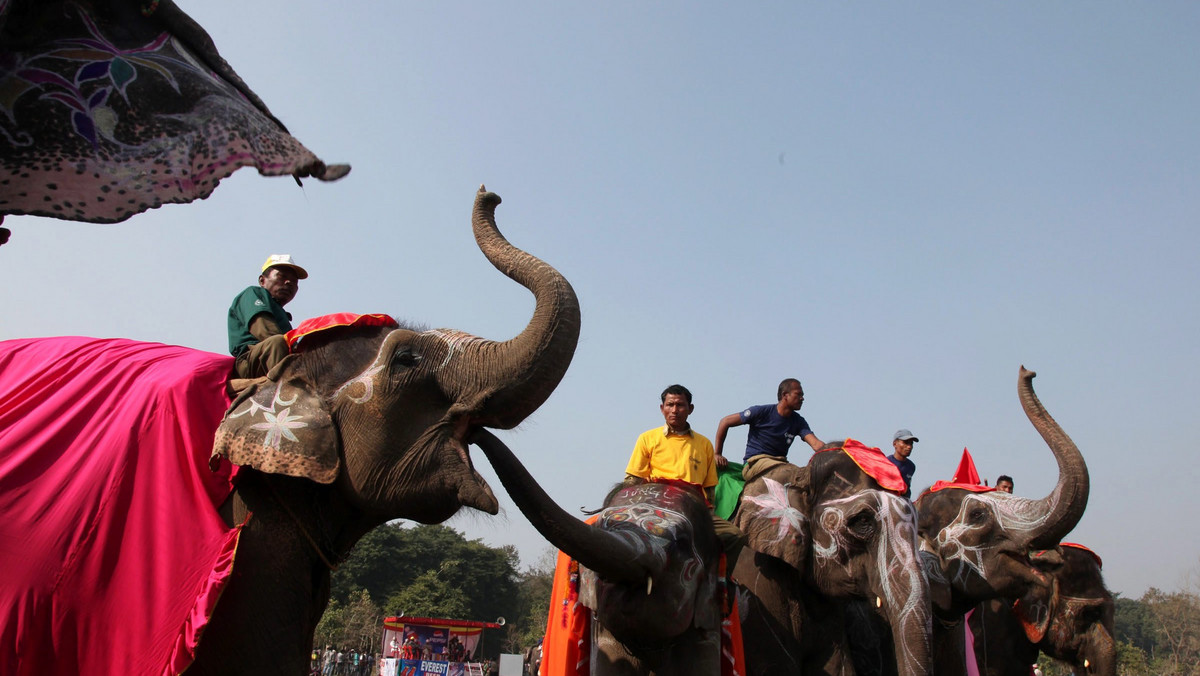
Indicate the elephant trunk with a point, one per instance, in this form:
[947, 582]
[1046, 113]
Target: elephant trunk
[608, 555]
[1065, 504]
[522, 371]
[903, 591]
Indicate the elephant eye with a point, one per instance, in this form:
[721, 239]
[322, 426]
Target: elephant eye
[977, 515]
[405, 359]
[862, 524]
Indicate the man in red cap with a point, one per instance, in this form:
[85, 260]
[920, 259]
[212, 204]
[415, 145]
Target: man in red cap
[257, 320]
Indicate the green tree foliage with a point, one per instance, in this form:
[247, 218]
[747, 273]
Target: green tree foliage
[429, 571]
[430, 596]
[1132, 660]
[1133, 623]
[354, 625]
[1177, 629]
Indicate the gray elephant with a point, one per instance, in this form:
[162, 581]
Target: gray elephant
[113, 107]
[648, 569]
[977, 545]
[357, 427]
[1072, 620]
[820, 536]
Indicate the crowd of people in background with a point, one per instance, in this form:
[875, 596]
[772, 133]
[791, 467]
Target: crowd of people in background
[343, 662]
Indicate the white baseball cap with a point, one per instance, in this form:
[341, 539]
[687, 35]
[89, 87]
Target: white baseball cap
[284, 260]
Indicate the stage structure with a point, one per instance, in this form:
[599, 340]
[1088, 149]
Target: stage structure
[428, 646]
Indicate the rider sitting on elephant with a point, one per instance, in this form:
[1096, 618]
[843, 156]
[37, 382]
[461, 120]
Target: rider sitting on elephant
[772, 428]
[257, 320]
[677, 454]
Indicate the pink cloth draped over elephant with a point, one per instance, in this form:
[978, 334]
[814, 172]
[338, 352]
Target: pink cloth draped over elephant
[112, 551]
[110, 108]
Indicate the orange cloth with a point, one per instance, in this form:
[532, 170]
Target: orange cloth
[876, 465]
[566, 648]
[310, 326]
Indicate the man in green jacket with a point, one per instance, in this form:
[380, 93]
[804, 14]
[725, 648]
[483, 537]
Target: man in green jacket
[257, 320]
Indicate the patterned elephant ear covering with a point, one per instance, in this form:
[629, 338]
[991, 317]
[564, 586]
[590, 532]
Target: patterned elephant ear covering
[280, 427]
[110, 109]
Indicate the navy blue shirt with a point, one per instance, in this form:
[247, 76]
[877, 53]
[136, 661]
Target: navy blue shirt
[771, 433]
[907, 469]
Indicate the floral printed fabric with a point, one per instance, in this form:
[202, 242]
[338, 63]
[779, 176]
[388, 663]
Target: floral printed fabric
[112, 550]
[106, 112]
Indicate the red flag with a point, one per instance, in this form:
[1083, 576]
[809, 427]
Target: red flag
[966, 474]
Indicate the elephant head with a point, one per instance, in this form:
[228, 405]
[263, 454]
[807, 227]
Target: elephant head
[1071, 620]
[825, 534]
[648, 568]
[983, 539]
[361, 426]
[386, 412]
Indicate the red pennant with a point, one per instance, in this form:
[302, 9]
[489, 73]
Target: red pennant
[966, 474]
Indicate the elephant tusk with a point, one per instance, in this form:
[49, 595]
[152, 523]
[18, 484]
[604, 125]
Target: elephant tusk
[649, 584]
[878, 602]
[1086, 664]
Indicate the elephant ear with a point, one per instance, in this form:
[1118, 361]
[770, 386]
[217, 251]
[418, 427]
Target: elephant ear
[280, 425]
[774, 514]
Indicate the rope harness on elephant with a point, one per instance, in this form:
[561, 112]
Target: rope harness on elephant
[303, 531]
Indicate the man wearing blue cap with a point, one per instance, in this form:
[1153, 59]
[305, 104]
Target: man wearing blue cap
[902, 443]
[257, 320]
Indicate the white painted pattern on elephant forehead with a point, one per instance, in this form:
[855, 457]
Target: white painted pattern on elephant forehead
[895, 554]
[367, 377]
[1011, 514]
[454, 340]
[773, 504]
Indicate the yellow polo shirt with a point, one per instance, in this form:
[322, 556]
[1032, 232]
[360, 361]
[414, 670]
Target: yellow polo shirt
[685, 457]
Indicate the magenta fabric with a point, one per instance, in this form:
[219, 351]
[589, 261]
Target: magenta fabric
[112, 554]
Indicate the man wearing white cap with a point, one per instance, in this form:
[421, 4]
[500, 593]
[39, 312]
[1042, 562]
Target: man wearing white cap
[902, 443]
[257, 320]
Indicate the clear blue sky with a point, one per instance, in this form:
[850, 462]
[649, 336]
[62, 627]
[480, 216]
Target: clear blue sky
[897, 204]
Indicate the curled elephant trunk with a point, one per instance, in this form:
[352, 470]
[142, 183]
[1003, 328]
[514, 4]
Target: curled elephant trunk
[1066, 503]
[607, 554]
[523, 371]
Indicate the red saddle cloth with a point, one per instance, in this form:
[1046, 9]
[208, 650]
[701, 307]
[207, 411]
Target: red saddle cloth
[308, 327]
[111, 548]
[872, 461]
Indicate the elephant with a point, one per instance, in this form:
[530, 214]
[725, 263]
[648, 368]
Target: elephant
[648, 571]
[357, 427]
[113, 107]
[820, 536]
[977, 543]
[1072, 621]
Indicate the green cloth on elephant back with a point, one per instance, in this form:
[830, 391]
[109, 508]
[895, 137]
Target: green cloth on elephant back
[729, 489]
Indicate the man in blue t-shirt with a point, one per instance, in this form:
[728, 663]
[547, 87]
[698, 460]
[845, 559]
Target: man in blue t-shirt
[773, 427]
[902, 445]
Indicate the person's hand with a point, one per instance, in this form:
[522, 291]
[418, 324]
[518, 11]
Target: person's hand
[722, 462]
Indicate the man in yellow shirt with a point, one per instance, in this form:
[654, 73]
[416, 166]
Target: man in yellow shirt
[676, 453]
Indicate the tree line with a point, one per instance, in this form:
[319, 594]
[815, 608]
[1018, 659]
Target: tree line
[435, 571]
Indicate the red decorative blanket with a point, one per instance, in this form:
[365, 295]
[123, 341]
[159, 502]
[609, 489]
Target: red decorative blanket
[111, 548]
